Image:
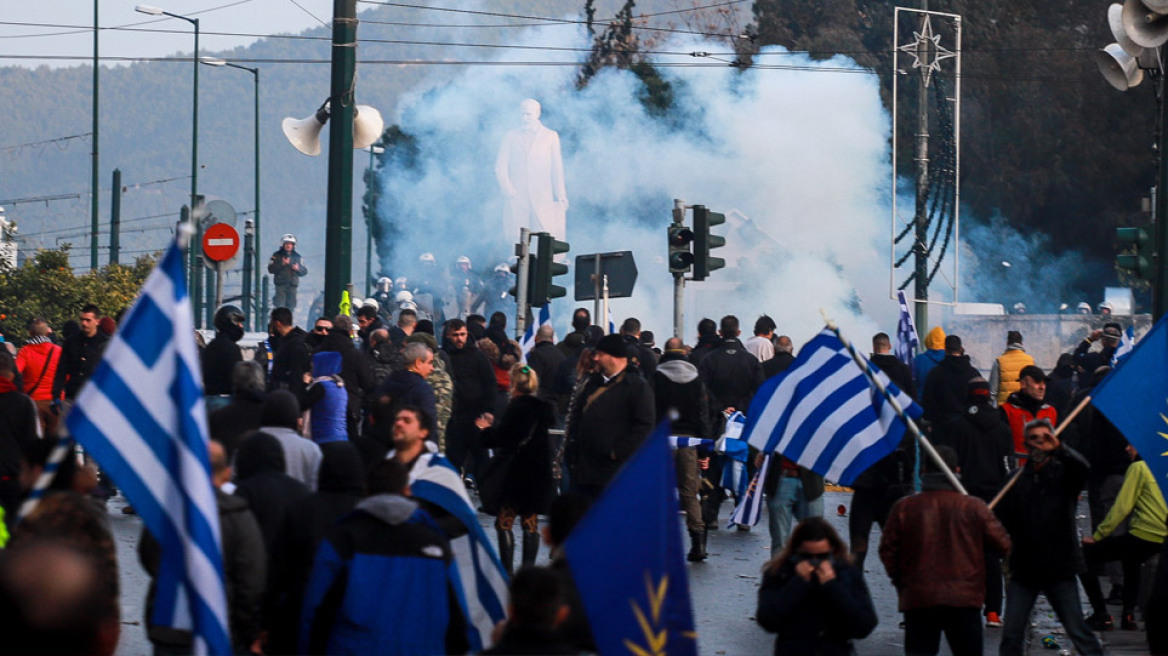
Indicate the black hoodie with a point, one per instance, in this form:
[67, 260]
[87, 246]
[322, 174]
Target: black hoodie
[984, 445]
[946, 387]
[261, 481]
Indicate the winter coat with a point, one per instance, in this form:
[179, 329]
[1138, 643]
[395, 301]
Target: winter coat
[931, 357]
[37, 364]
[642, 356]
[677, 386]
[340, 489]
[291, 360]
[609, 421]
[244, 571]
[301, 455]
[1006, 371]
[1020, 409]
[1039, 512]
[474, 381]
[1088, 361]
[529, 488]
[354, 369]
[1140, 497]
[384, 359]
[777, 364]
[282, 274]
[813, 619]
[439, 381]
[231, 422]
[731, 374]
[79, 357]
[897, 371]
[326, 399]
[387, 543]
[985, 448]
[947, 387]
[934, 544]
[545, 359]
[18, 428]
[260, 480]
[405, 387]
[704, 347]
[218, 359]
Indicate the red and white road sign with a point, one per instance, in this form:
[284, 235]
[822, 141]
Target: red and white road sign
[220, 242]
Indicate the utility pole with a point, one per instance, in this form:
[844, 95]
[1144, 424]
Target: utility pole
[338, 264]
[522, 276]
[1160, 284]
[95, 160]
[115, 217]
[920, 220]
[248, 255]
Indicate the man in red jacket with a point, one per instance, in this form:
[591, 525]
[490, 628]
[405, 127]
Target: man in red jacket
[934, 548]
[37, 364]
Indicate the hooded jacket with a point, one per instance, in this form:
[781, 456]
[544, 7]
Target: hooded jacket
[292, 359]
[931, 357]
[354, 368]
[677, 386]
[37, 363]
[984, 445]
[260, 480]
[387, 543]
[326, 399]
[405, 387]
[474, 380]
[731, 374]
[946, 388]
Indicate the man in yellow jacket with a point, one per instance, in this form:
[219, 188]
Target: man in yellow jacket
[1140, 498]
[1008, 368]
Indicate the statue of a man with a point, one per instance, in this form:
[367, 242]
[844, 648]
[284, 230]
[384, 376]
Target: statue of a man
[530, 172]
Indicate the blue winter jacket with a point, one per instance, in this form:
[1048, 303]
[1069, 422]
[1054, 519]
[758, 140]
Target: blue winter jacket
[328, 399]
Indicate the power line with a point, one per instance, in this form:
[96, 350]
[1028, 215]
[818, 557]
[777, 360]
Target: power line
[46, 141]
[305, 10]
[85, 29]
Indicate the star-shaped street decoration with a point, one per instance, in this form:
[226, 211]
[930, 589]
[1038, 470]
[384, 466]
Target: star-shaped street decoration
[926, 50]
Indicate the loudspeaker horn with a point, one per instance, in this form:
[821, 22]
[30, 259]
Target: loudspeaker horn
[1145, 25]
[304, 133]
[1115, 22]
[367, 126]
[1118, 68]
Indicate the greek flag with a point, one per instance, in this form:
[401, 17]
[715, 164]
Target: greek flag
[482, 580]
[826, 414]
[1127, 342]
[528, 341]
[141, 416]
[906, 333]
[685, 441]
[749, 508]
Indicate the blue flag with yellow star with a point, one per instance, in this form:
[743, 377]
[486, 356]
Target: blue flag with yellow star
[627, 559]
[1134, 396]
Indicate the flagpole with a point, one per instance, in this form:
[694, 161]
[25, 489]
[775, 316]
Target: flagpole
[863, 364]
[1018, 472]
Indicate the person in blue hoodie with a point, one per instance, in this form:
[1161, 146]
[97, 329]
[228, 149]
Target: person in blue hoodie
[326, 399]
[932, 355]
[387, 544]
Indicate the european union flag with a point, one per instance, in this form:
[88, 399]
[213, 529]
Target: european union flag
[627, 559]
[1134, 396]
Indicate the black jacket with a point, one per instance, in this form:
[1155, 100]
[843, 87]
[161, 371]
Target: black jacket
[79, 357]
[1039, 512]
[260, 480]
[234, 420]
[641, 355]
[405, 387]
[354, 368]
[474, 380]
[244, 570]
[984, 445]
[777, 364]
[732, 375]
[292, 359]
[946, 388]
[282, 274]
[218, 360]
[18, 430]
[897, 371]
[609, 422]
[529, 488]
[545, 359]
[677, 386]
[815, 619]
[704, 347]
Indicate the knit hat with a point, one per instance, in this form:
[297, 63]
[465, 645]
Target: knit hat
[978, 388]
[613, 345]
[424, 338]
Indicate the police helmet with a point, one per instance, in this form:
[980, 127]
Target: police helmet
[228, 315]
[288, 238]
[427, 258]
[462, 259]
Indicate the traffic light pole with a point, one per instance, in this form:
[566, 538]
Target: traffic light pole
[1160, 283]
[521, 282]
[596, 299]
[678, 304]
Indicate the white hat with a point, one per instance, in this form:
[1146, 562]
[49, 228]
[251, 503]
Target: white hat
[288, 238]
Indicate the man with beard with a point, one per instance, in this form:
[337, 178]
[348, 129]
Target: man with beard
[474, 392]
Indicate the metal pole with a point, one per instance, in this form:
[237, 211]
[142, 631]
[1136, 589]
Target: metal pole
[920, 220]
[522, 277]
[678, 304]
[115, 239]
[257, 325]
[218, 284]
[195, 124]
[1160, 259]
[196, 249]
[369, 233]
[245, 287]
[95, 159]
[339, 225]
[596, 284]
[607, 326]
[209, 304]
[263, 300]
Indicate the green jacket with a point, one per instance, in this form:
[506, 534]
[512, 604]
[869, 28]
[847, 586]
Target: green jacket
[1141, 498]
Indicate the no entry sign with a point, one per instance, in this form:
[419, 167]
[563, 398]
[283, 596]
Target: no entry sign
[220, 242]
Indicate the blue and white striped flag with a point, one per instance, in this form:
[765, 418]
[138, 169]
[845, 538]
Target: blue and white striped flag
[1127, 342]
[825, 414]
[528, 341]
[141, 417]
[685, 441]
[482, 579]
[749, 507]
[906, 333]
[611, 324]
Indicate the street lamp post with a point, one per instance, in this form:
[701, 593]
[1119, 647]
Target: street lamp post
[373, 150]
[196, 210]
[339, 223]
[213, 61]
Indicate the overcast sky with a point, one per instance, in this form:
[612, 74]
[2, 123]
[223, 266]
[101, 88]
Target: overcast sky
[238, 16]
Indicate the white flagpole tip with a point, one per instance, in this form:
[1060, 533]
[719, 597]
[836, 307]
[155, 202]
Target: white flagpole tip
[827, 319]
[184, 233]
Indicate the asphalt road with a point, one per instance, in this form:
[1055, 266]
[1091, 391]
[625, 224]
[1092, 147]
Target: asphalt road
[724, 590]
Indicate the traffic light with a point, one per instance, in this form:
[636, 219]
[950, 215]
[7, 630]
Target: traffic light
[680, 256]
[1138, 263]
[546, 269]
[514, 291]
[704, 242]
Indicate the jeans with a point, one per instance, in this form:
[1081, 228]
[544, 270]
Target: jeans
[1064, 598]
[868, 505]
[923, 628]
[785, 506]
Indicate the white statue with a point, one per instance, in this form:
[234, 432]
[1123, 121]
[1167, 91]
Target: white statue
[530, 172]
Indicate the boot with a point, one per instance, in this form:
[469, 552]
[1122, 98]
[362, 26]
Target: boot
[530, 548]
[506, 549]
[697, 549]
